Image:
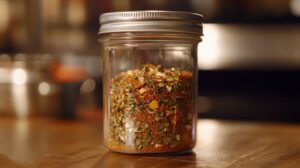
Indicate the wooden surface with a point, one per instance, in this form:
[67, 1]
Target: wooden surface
[44, 143]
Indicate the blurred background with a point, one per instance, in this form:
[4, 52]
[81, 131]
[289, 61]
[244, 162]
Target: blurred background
[249, 61]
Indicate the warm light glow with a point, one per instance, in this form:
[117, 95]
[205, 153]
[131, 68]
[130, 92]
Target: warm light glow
[210, 134]
[19, 76]
[208, 131]
[44, 88]
[20, 100]
[210, 49]
[295, 7]
[20, 138]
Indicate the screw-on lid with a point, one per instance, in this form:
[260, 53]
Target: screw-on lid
[151, 21]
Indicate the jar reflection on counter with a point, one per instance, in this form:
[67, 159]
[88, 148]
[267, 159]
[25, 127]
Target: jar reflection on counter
[150, 80]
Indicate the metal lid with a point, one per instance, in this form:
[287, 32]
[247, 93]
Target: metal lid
[151, 21]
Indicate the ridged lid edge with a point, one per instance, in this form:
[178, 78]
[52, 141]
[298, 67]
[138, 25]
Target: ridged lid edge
[151, 21]
[149, 15]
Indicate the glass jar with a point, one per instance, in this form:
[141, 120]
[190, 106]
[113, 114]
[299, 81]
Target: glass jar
[150, 80]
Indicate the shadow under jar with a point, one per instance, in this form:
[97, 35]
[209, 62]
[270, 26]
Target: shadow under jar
[150, 80]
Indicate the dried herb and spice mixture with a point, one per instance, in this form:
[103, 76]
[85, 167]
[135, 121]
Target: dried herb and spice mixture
[151, 110]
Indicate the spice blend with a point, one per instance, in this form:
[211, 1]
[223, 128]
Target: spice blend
[151, 110]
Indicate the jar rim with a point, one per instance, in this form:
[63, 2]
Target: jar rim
[151, 21]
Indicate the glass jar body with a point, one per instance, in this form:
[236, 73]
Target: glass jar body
[150, 91]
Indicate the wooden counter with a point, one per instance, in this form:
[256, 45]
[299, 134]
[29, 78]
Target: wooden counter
[44, 143]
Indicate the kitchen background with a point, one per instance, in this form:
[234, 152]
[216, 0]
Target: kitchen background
[249, 61]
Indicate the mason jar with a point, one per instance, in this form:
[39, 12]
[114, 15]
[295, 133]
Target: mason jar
[150, 80]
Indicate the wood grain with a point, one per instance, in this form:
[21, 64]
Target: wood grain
[49, 143]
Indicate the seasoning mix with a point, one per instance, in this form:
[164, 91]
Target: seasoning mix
[150, 80]
[150, 110]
